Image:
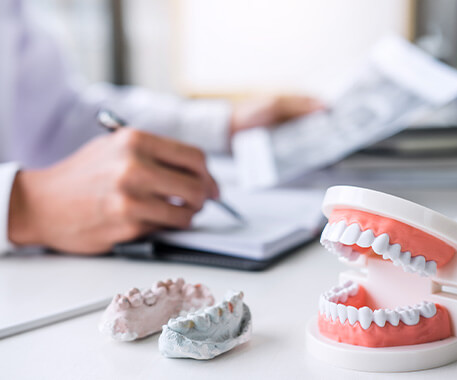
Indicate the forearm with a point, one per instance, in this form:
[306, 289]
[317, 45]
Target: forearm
[200, 123]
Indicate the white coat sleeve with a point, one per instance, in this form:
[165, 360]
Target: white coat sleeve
[53, 110]
[7, 174]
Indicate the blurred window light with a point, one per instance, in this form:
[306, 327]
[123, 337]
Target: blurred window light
[295, 45]
[223, 46]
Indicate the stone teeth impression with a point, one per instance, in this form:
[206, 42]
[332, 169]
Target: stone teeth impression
[330, 305]
[209, 332]
[338, 237]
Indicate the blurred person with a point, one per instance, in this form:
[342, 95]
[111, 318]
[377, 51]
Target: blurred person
[66, 184]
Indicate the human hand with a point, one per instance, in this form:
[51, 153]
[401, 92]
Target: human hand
[115, 188]
[270, 111]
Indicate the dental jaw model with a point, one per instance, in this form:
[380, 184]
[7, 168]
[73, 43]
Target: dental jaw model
[396, 310]
[208, 333]
[138, 314]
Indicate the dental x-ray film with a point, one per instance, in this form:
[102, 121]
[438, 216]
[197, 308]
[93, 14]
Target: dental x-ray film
[394, 86]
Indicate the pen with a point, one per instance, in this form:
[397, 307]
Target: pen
[113, 122]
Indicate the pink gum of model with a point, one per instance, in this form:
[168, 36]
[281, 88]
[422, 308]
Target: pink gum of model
[138, 314]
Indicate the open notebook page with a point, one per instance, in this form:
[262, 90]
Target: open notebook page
[277, 220]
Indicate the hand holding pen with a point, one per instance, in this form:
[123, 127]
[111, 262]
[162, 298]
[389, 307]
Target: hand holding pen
[112, 123]
[114, 189]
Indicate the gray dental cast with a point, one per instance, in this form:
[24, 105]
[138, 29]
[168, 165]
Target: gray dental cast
[208, 333]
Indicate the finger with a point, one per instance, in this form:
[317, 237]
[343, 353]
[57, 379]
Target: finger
[294, 106]
[189, 159]
[154, 179]
[215, 192]
[159, 212]
[210, 185]
[175, 154]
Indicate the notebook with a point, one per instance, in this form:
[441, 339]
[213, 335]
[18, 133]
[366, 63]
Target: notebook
[276, 221]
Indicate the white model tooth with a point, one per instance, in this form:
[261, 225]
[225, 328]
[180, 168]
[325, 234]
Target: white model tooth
[325, 232]
[328, 246]
[405, 258]
[392, 317]
[322, 304]
[343, 297]
[342, 312]
[397, 263]
[418, 263]
[337, 231]
[335, 289]
[394, 252]
[430, 268]
[354, 255]
[327, 309]
[333, 311]
[379, 317]
[333, 247]
[350, 235]
[365, 317]
[344, 251]
[366, 239]
[409, 316]
[427, 309]
[381, 244]
[353, 314]
[353, 289]
[408, 269]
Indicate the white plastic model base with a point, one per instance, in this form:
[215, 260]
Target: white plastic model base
[385, 359]
[396, 308]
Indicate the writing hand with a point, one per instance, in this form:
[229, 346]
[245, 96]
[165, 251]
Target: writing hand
[115, 188]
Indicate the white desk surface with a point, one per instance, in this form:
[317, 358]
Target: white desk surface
[281, 299]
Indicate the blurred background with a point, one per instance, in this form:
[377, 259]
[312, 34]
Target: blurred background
[209, 47]
[233, 48]
[206, 47]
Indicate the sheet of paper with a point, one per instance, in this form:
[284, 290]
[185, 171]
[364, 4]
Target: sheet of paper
[396, 84]
[275, 220]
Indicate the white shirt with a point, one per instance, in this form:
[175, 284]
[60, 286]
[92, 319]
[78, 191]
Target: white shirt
[47, 111]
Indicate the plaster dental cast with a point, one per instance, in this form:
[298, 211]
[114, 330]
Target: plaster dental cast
[138, 314]
[192, 327]
[395, 310]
